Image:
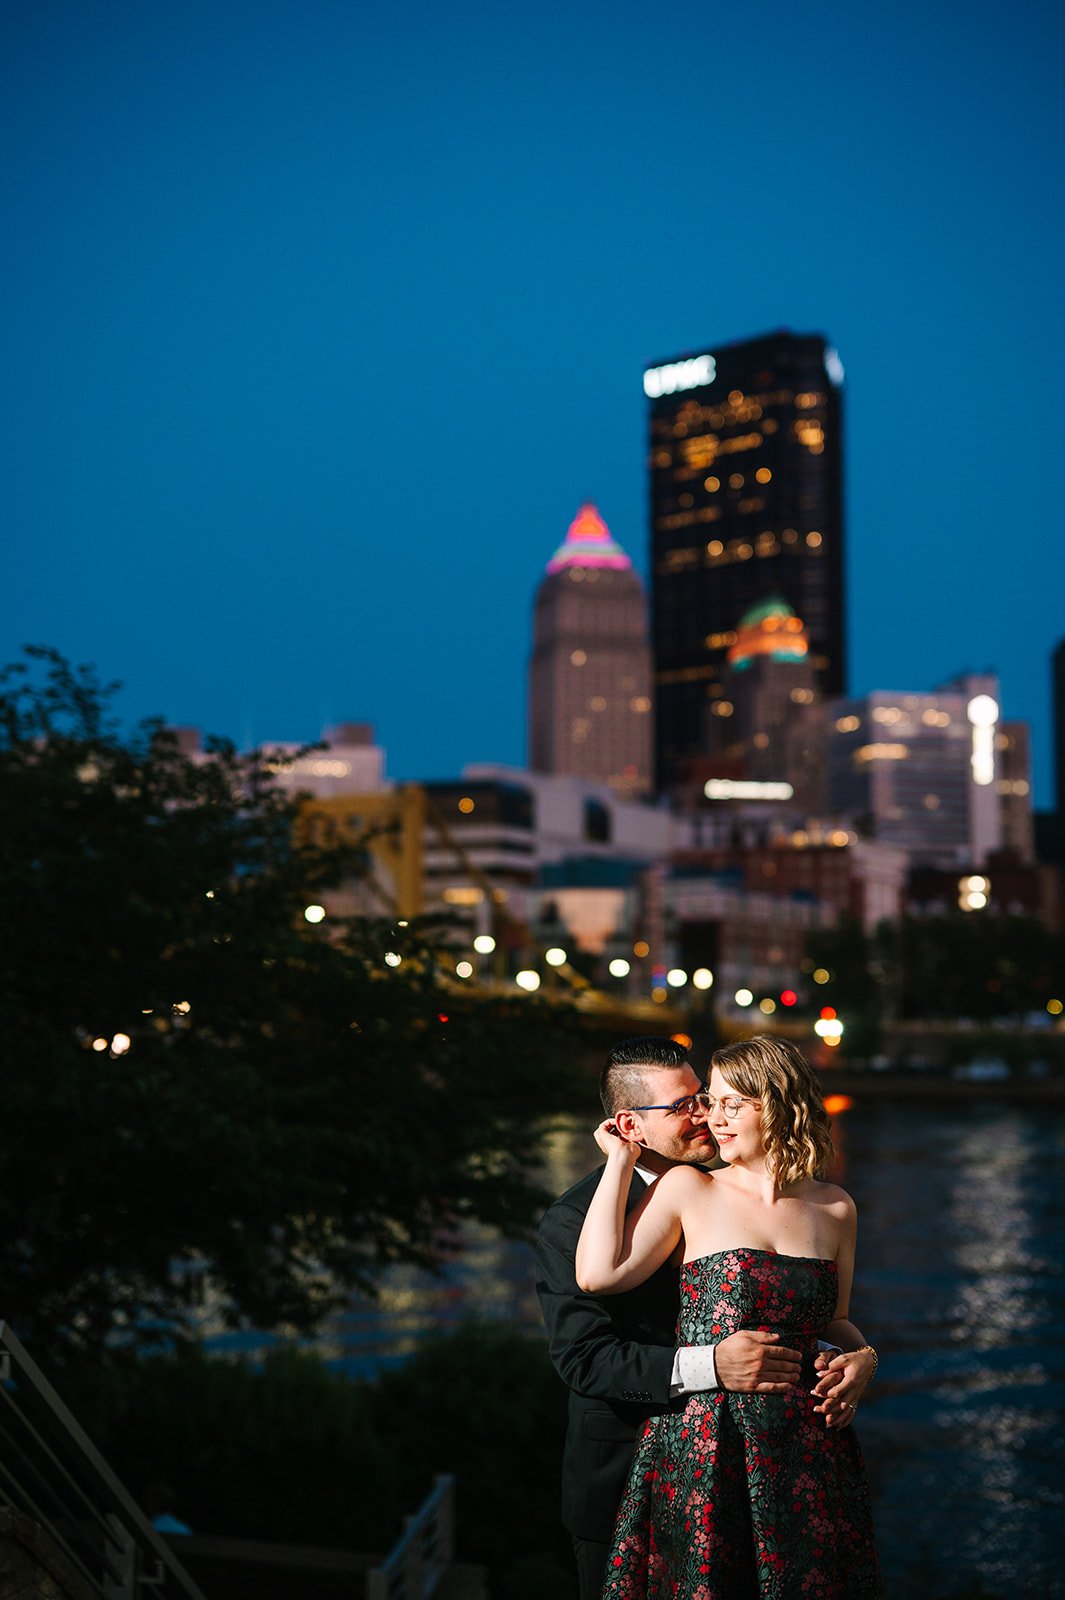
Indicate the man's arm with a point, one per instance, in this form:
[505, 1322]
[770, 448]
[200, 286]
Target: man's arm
[584, 1344]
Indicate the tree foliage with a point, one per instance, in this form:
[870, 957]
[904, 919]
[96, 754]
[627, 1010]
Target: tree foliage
[978, 966]
[291, 1114]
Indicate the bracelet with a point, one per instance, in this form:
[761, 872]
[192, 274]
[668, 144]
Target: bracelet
[867, 1350]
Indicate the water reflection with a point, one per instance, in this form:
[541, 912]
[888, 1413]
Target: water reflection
[960, 1284]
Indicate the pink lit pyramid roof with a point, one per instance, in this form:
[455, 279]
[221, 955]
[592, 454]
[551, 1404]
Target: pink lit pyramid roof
[589, 543]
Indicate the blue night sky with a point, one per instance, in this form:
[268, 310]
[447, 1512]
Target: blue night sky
[322, 318]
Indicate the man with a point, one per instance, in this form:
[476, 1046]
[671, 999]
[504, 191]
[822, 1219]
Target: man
[618, 1353]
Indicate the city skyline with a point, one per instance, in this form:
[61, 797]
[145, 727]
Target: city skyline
[322, 326]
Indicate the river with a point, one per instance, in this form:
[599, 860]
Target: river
[960, 1285]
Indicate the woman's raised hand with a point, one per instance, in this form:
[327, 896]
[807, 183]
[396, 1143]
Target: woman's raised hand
[613, 1146]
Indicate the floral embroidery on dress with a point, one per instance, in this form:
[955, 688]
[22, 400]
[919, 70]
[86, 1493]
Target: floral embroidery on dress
[746, 1496]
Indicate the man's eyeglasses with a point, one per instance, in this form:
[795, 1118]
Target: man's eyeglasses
[702, 1105]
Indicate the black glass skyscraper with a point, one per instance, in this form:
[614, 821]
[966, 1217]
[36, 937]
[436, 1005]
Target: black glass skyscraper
[746, 506]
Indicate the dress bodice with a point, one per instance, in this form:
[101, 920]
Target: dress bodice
[743, 1288]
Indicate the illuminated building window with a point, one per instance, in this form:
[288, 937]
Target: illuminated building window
[814, 541]
[662, 458]
[578, 658]
[744, 552]
[576, 574]
[712, 484]
[887, 714]
[735, 397]
[466, 805]
[931, 802]
[790, 536]
[640, 703]
[715, 548]
[763, 475]
[754, 502]
[770, 425]
[720, 641]
[882, 752]
[686, 500]
[802, 697]
[761, 741]
[723, 708]
[597, 703]
[736, 481]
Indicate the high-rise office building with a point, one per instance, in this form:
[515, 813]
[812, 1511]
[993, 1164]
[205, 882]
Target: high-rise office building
[746, 504]
[590, 673]
[921, 770]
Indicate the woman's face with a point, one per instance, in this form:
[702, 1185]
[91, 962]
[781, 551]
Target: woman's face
[734, 1121]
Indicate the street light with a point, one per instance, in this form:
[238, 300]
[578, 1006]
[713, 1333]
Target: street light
[619, 967]
[484, 944]
[555, 957]
[676, 977]
[703, 978]
[527, 980]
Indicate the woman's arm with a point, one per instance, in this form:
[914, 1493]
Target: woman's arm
[844, 1378]
[616, 1252]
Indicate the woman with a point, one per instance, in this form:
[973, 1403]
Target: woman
[741, 1496]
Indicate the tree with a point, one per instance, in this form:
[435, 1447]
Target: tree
[289, 1114]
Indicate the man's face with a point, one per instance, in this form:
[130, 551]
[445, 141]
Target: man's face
[673, 1135]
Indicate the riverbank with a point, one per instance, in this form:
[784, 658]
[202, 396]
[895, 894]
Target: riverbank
[870, 1083]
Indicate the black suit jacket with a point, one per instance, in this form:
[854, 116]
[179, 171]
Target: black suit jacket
[614, 1352]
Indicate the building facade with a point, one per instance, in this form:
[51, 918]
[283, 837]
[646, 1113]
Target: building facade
[920, 770]
[746, 504]
[590, 706]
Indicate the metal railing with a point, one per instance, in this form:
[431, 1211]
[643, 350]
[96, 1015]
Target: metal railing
[52, 1474]
[423, 1552]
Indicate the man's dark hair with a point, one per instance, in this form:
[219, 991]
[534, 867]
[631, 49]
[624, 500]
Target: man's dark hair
[622, 1082]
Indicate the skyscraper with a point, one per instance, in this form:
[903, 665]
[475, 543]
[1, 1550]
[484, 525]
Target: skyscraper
[590, 673]
[746, 504]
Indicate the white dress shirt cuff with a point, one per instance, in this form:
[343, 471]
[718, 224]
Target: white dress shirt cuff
[693, 1371]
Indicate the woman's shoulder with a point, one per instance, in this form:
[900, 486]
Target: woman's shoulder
[833, 1198]
[684, 1180]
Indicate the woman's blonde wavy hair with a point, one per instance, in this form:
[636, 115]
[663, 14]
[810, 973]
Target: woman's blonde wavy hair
[795, 1127]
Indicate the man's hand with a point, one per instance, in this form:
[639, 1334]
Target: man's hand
[752, 1362]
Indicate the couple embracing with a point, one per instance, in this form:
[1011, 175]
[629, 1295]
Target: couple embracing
[696, 1292]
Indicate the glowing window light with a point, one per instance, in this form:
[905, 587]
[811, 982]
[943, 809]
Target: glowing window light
[619, 967]
[703, 978]
[882, 752]
[679, 375]
[821, 975]
[555, 957]
[743, 789]
[641, 948]
[1055, 1007]
[744, 997]
[467, 804]
[828, 1028]
[314, 913]
[835, 1103]
[982, 712]
[484, 944]
[527, 980]
[464, 969]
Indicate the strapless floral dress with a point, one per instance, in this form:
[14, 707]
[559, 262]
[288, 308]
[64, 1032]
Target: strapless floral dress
[747, 1496]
